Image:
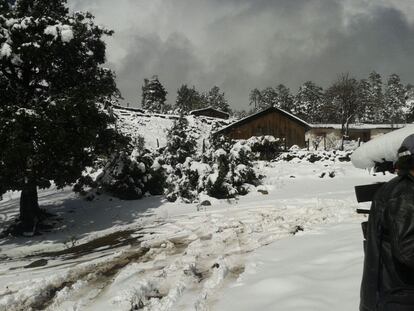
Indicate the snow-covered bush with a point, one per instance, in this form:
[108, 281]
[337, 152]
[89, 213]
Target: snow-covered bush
[185, 180]
[231, 173]
[127, 175]
[175, 158]
[265, 147]
[315, 156]
[224, 170]
[130, 177]
[180, 143]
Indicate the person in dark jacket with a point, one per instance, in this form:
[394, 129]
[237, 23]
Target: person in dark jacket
[388, 276]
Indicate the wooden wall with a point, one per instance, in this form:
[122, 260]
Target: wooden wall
[273, 123]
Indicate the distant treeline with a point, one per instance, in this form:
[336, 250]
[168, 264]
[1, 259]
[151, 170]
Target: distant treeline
[346, 101]
[188, 98]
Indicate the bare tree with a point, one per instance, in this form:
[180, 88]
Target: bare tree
[344, 97]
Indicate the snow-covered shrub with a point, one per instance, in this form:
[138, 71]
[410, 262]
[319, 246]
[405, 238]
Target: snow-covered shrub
[231, 169]
[176, 156]
[265, 147]
[183, 181]
[315, 156]
[131, 176]
[180, 143]
[224, 170]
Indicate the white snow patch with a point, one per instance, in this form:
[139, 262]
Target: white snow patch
[5, 50]
[65, 31]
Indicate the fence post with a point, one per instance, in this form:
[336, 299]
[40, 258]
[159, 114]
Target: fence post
[158, 143]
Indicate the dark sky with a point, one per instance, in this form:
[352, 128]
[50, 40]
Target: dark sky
[242, 44]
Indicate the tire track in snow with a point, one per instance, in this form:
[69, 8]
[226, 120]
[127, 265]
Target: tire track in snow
[195, 254]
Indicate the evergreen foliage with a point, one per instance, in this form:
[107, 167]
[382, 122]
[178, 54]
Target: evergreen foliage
[308, 102]
[181, 147]
[255, 99]
[131, 176]
[231, 169]
[409, 99]
[222, 171]
[367, 113]
[376, 102]
[395, 100]
[189, 99]
[268, 98]
[153, 95]
[344, 101]
[265, 147]
[285, 99]
[180, 143]
[271, 97]
[51, 80]
[216, 99]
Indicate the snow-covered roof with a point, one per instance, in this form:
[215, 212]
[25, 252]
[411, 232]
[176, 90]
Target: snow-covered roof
[265, 111]
[208, 108]
[359, 126]
[115, 106]
[383, 148]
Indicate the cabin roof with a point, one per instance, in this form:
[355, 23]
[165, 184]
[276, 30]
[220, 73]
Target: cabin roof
[208, 108]
[264, 112]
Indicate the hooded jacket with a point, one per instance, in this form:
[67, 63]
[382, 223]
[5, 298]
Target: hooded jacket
[388, 277]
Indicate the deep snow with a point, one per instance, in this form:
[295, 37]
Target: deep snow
[242, 254]
[314, 271]
[154, 127]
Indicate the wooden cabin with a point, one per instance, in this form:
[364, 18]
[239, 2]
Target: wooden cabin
[271, 121]
[210, 112]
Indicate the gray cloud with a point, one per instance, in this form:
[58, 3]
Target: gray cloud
[242, 44]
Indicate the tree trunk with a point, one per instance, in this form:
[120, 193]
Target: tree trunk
[29, 207]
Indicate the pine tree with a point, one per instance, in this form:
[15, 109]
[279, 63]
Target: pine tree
[153, 95]
[284, 98]
[217, 100]
[255, 98]
[188, 99]
[367, 112]
[395, 100]
[308, 102]
[180, 143]
[181, 146]
[376, 102]
[268, 98]
[51, 80]
[409, 102]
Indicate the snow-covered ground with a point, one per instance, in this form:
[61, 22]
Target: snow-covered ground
[153, 127]
[318, 270]
[298, 247]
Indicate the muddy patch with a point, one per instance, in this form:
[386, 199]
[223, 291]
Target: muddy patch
[110, 241]
[37, 264]
[104, 274]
